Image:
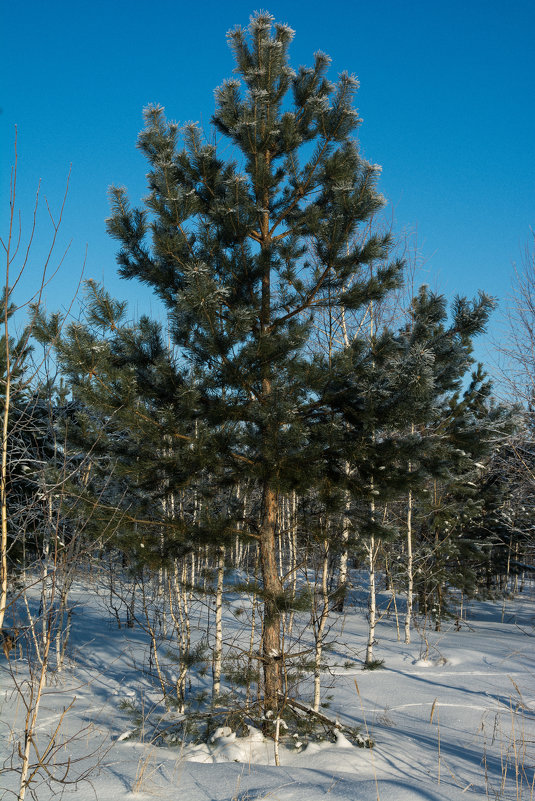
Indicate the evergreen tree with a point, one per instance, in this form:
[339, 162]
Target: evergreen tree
[457, 426]
[244, 253]
[503, 530]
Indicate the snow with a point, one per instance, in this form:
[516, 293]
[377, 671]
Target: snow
[448, 713]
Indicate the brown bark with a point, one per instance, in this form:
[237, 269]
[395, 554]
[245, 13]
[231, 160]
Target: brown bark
[272, 586]
[271, 640]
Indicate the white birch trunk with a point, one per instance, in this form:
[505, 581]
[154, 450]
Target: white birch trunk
[410, 572]
[372, 601]
[371, 547]
[32, 712]
[3, 485]
[320, 626]
[292, 514]
[218, 646]
[344, 555]
[250, 655]
[179, 611]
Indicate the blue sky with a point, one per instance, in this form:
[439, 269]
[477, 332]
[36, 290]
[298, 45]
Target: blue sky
[447, 101]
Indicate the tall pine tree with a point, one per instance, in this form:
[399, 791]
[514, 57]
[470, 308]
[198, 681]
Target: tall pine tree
[244, 253]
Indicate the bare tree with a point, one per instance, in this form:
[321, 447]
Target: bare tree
[517, 348]
[31, 518]
[17, 378]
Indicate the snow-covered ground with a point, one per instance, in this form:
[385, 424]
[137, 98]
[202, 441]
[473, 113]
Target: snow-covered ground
[458, 725]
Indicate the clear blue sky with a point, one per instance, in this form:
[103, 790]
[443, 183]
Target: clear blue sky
[447, 99]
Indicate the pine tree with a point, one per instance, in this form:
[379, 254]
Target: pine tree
[243, 254]
[390, 378]
[457, 426]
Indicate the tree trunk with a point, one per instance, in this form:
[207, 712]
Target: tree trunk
[271, 644]
[3, 484]
[344, 555]
[218, 647]
[410, 572]
[372, 601]
[320, 623]
[292, 522]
